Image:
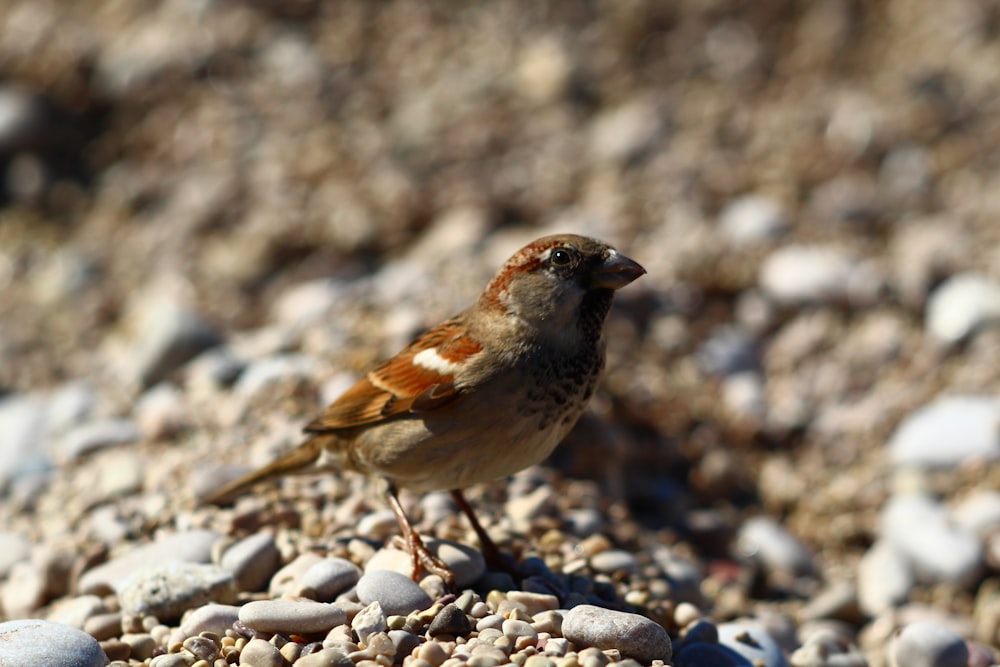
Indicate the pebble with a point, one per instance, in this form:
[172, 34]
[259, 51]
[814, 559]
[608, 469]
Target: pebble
[299, 616]
[328, 578]
[799, 274]
[626, 131]
[397, 593]
[36, 642]
[767, 541]
[752, 218]
[120, 475]
[13, 548]
[925, 644]
[534, 603]
[262, 373]
[636, 636]
[614, 560]
[23, 421]
[252, 561]
[75, 611]
[286, 580]
[327, 657]
[979, 513]
[962, 305]
[167, 590]
[193, 546]
[919, 528]
[24, 590]
[885, 578]
[969, 424]
[369, 621]
[729, 351]
[751, 641]
[93, 436]
[161, 412]
[260, 653]
[212, 617]
[827, 649]
[450, 621]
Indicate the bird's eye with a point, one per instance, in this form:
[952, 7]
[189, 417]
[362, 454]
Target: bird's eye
[561, 257]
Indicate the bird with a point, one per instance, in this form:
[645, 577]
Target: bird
[483, 395]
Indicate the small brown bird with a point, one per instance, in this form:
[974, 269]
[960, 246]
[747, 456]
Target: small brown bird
[481, 396]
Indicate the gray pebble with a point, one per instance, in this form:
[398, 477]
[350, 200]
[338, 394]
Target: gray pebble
[167, 590]
[636, 636]
[211, 617]
[300, 616]
[286, 580]
[104, 626]
[193, 546]
[798, 274]
[405, 643]
[751, 641]
[827, 649]
[968, 424]
[35, 642]
[752, 218]
[614, 560]
[728, 351]
[466, 563]
[961, 305]
[397, 593]
[172, 660]
[93, 436]
[925, 644]
[450, 621]
[260, 653]
[765, 540]
[252, 561]
[328, 578]
[885, 578]
[918, 526]
[260, 374]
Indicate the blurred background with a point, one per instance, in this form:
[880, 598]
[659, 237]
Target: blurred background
[813, 186]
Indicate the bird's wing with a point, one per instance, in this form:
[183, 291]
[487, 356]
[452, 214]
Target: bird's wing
[419, 379]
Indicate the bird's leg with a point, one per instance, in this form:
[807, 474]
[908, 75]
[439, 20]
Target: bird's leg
[420, 556]
[491, 552]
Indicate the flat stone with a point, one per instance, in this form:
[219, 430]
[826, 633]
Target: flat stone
[948, 432]
[395, 592]
[193, 546]
[767, 541]
[35, 642]
[885, 578]
[167, 590]
[252, 561]
[299, 616]
[286, 580]
[211, 617]
[797, 274]
[634, 635]
[328, 578]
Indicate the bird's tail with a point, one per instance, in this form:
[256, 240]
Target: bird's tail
[303, 459]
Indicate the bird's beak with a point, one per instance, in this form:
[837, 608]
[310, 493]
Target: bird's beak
[615, 272]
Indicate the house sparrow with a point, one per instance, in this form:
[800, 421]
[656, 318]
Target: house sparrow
[481, 396]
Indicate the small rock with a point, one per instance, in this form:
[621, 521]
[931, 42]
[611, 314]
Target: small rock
[24, 591]
[450, 621]
[752, 642]
[369, 621]
[827, 649]
[252, 561]
[614, 560]
[34, 642]
[752, 219]
[796, 274]
[13, 548]
[405, 643]
[121, 475]
[75, 611]
[212, 617]
[925, 644]
[918, 526]
[167, 590]
[397, 593]
[729, 351]
[767, 541]
[286, 580]
[328, 578]
[299, 616]
[968, 424]
[97, 435]
[885, 578]
[260, 653]
[979, 513]
[625, 132]
[636, 636]
[962, 305]
[161, 411]
[193, 546]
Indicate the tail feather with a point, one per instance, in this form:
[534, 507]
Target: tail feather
[302, 459]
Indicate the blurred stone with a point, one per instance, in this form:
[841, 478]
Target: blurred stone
[752, 219]
[948, 432]
[928, 645]
[767, 541]
[796, 274]
[962, 305]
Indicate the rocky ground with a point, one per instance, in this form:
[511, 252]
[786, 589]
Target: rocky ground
[216, 214]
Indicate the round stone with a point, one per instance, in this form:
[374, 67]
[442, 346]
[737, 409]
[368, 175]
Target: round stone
[252, 561]
[215, 618]
[328, 578]
[169, 589]
[299, 616]
[967, 423]
[634, 635]
[35, 642]
[924, 644]
[397, 593]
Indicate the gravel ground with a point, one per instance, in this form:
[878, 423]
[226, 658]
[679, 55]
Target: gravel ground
[214, 215]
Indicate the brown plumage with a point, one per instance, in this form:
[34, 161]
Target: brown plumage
[479, 397]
